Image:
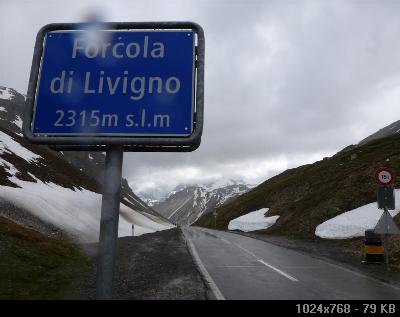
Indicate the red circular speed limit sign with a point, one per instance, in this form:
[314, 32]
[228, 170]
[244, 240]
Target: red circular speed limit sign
[384, 176]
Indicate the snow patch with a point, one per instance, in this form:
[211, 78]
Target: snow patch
[10, 167]
[7, 144]
[253, 221]
[353, 223]
[151, 202]
[76, 211]
[3, 109]
[235, 192]
[18, 122]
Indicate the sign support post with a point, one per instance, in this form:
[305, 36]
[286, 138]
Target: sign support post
[109, 222]
[386, 200]
[385, 239]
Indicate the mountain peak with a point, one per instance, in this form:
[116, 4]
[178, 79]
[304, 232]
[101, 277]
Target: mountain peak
[187, 203]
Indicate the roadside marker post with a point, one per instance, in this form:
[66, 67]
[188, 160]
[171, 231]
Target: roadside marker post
[386, 226]
[115, 88]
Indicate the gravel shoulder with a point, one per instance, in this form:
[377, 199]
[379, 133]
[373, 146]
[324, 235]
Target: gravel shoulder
[156, 266]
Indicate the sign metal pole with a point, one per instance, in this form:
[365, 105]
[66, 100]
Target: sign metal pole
[109, 222]
[386, 200]
[385, 241]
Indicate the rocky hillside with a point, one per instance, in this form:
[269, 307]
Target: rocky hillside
[306, 196]
[50, 190]
[187, 203]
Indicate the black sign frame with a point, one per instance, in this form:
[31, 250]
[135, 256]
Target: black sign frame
[129, 144]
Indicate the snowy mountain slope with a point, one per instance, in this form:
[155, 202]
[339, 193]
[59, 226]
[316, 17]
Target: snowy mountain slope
[11, 109]
[393, 128]
[75, 211]
[92, 163]
[187, 203]
[307, 196]
[51, 187]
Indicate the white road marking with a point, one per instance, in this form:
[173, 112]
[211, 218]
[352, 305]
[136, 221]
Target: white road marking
[288, 276]
[234, 266]
[226, 241]
[214, 288]
[278, 271]
[358, 274]
[247, 251]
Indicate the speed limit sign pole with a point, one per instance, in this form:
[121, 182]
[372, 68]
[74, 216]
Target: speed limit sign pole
[385, 177]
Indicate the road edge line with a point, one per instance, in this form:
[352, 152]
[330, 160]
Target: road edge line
[214, 288]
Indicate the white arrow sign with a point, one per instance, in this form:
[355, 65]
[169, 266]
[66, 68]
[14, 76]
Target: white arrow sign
[386, 225]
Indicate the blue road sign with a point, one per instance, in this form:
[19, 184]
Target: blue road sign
[116, 83]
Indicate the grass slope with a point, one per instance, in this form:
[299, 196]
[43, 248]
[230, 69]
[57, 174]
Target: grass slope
[306, 196]
[33, 266]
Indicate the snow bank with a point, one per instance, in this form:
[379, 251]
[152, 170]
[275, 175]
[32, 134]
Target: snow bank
[76, 211]
[353, 223]
[253, 221]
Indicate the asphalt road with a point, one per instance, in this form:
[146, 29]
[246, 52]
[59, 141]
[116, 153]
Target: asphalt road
[238, 267]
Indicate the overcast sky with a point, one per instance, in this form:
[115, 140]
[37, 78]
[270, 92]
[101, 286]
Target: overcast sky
[286, 82]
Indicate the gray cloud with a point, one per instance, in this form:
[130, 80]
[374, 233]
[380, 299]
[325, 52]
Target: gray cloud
[287, 82]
